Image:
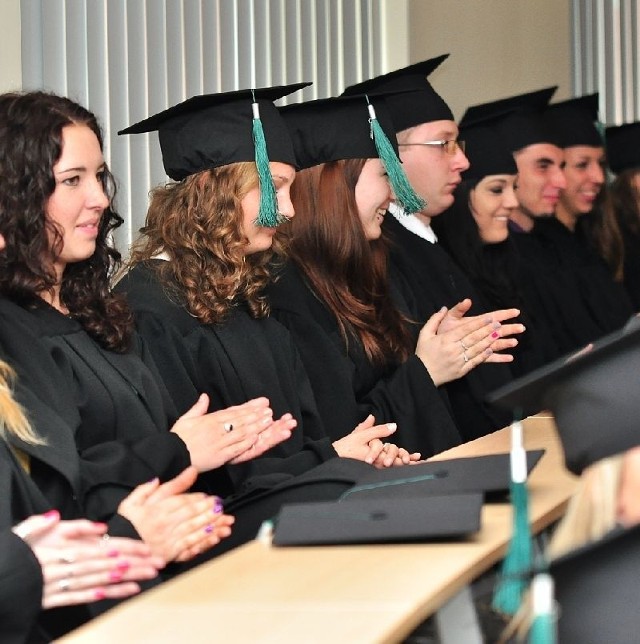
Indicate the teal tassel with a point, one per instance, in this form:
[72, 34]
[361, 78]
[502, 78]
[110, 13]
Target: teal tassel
[543, 626]
[268, 215]
[404, 193]
[516, 565]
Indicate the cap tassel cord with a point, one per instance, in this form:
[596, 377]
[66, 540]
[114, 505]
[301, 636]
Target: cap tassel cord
[404, 193]
[268, 215]
[512, 581]
[543, 626]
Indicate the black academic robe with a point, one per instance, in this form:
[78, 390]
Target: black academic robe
[119, 413]
[435, 280]
[235, 361]
[631, 267]
[116, 412]
[347, 386]
[603, 299]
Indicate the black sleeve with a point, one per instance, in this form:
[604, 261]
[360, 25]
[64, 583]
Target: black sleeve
[20, 589]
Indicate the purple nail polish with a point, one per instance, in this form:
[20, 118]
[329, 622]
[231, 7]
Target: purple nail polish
[218, 508]
[208, 529]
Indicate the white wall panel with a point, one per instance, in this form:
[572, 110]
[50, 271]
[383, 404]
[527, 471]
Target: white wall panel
[127, 59]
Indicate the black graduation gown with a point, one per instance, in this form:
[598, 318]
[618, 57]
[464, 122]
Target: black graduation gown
[435, 280]
[631, 267]
[240, 359]
[348, 387]
[604, 299]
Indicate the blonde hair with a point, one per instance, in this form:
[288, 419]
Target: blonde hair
[13, 420]
[592, 512]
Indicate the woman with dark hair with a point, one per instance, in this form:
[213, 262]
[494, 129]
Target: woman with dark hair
[475, 233]
[352, 328]
[56, 215]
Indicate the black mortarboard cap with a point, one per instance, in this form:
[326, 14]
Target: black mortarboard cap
[345, 127]
[490, 475]
[574, 121]
[623, 146]
[486, 149]
[422, 106]
[378, 520]
[597, 589]
[593, 396]
[523, 123]
[536, 100]
[214, 130]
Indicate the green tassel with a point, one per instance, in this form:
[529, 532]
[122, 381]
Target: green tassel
[517, 564]
[543, 626]
[268, 215]
[405, 194]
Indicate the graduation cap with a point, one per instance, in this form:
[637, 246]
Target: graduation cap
[489, 475]
[523, 121]
[574, 121]
[623, 146]
[597, 588]
[535, 100]
[423, 105]
[214, 130]
[350, 127]
[593, 396]
[487, 150]
[378, 520]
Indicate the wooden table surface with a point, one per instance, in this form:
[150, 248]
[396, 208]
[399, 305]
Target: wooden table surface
[373, 593]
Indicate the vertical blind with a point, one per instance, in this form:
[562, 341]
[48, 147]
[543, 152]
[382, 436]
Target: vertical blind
[606, 53]
[127, 59]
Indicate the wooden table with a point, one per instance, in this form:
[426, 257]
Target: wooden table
[259, 593]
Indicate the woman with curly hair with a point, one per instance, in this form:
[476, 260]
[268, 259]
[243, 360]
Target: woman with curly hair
[56, 216]
[200, 268]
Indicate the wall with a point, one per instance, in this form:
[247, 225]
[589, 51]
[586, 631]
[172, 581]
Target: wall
[498, 47]
[10, 72]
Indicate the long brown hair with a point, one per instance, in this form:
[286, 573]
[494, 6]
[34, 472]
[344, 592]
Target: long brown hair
[31, 137]
[198, 224]
[326, 240]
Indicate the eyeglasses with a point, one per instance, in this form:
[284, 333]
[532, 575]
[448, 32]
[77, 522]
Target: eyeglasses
[449, 147]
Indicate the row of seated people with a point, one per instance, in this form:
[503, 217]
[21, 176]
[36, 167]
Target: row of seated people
[178, 379]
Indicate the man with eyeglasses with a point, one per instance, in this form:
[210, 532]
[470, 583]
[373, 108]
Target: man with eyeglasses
[427, 278]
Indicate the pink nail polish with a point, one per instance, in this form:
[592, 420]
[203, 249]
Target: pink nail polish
[123, 565]
[113, 553]
[99, 594]
[495, 334]
[116, 575]
[52, 514]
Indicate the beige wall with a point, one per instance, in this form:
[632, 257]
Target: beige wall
[10, 65]
[498, 47]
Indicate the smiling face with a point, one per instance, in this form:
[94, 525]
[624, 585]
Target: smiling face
[491, 202]
[261, 238]
[540, 178]
[584, 173]
[78, 200]
[433, 173]
[373, 196]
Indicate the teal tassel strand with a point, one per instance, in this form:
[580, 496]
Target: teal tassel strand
[268, 215]
[517, 563]
[404, 193]
[543, 626]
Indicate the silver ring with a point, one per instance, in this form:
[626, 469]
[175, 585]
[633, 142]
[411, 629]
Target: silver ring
[68, 559]
[64, 585]
[465, 357]
[227, 427]
[464, 346]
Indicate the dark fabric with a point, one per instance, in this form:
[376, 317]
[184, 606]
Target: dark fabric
[436, 281]
[348, 387]
[241, 359]
[631, 278]
[590, 302]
